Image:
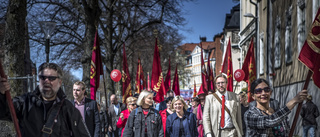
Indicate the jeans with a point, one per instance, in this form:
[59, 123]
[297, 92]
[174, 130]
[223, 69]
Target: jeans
[311, 129]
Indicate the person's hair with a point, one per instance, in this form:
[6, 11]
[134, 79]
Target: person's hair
[175, 99]
[168, 99]
[220, 75]
[195, 99]
[169, 91]
[309, 97]
[256, 82]
[142, 95]
[50, 66]
[130, 100]
[81, 83]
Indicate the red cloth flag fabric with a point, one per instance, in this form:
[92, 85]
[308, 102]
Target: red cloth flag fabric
[249, 68]
[227, 67]
[199, 117]
[148, 82]
[167, 82]
[201, 90]
[157, 83]
[139, 77]
[310, 52]
[194, 89]
[210, 75]
[175, 85]
[96, 68]
[126, 84]
[204, 84]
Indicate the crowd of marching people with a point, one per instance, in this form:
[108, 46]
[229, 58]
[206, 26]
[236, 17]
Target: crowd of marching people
[218, 113]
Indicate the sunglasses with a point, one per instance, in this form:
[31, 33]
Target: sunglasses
[50, 78]
[133, 104]
[259, 90]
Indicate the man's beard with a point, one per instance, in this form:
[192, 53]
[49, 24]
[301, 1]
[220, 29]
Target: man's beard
[49, 94]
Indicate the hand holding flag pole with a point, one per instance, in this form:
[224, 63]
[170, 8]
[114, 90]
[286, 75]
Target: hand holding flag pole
[10, 104]
[309, 56]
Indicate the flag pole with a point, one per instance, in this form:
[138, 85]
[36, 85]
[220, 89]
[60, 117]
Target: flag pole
[10, 104]
[105, 89]
[306, 84]
[235, 87]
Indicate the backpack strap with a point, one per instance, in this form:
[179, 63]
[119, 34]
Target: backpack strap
[135, 112]
[52, 119]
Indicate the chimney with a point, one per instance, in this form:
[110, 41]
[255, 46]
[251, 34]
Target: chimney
[203, 39]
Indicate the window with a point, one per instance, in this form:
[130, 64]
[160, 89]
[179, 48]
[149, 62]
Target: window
[261, 58]
[277, 48]
[288, 36]
[301, 20]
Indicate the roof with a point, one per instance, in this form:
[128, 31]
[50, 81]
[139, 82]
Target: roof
[233, 19]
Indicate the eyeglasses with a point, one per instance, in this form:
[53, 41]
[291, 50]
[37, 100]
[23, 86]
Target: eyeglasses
[50, 78]
[133, 104]
[222, 83]
[259, 90]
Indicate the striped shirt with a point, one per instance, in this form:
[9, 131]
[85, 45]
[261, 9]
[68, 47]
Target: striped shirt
[260, 125]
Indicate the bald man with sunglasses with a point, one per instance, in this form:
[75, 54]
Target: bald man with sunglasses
[45, 111]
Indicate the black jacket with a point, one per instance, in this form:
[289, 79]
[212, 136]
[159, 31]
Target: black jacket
[309, 113]
[113, 117]
[31, 113]
[92, 117]
[163, 105]
[136, 124]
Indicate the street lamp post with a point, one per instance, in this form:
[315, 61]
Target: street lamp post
[47, 28]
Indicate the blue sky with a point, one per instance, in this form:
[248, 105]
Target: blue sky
[205, 18]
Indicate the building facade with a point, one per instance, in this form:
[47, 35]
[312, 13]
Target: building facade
[280, 29]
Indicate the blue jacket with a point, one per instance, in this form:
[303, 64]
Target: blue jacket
[189, 125]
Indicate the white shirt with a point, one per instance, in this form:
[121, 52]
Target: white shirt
[227, 117]
[116, 108]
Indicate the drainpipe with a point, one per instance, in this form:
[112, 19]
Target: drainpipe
[257, 37]
[268, 38]
[240, 66]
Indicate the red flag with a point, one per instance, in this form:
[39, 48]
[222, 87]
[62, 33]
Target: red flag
[167, 82]
[175, 85]
[249, 68]
[210, 75]
[227, 67]
[96, 68]
[204, 84]
[139, 77]
[310, 52]
[148, 82]
[126, 85]
[201, 91]
[157, 84]
[194, 89]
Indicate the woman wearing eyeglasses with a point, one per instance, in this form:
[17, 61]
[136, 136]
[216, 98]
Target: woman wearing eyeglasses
[144, 121]
[181, 123]
[131, 105]
[261, 119]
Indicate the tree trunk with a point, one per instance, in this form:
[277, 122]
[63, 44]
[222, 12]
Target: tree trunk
[14, 46]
